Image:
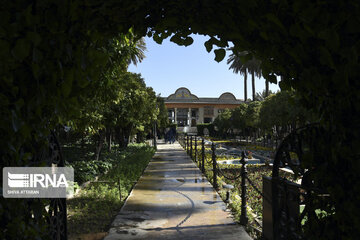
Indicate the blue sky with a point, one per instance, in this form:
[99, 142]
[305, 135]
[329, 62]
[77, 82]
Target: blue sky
[169, 66]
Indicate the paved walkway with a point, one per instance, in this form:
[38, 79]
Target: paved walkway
[172, 200]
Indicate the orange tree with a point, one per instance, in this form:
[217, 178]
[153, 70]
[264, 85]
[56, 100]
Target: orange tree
[51, 51]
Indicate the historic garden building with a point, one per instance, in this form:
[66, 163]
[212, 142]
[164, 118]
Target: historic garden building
[186, 109]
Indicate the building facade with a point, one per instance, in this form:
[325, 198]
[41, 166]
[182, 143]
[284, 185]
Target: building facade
[186, 109]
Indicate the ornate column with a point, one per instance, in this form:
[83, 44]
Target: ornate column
[175, 116]
[189, 117]
[201, 115]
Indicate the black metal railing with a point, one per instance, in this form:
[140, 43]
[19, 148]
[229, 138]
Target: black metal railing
[57, 210]
[208, 164]
[281, 198]
[206, 160]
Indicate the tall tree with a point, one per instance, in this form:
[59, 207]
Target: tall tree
[282, 112]
[239, 63]
[238, 66]
[254, 68]
[239, 118]
[223, 123]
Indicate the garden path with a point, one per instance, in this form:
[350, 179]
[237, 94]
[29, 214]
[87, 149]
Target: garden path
[173, 200]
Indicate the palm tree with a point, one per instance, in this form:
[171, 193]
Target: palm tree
[252, 66]
[137, 51]
[238, 66]
[128, 48]
[266, 88]
[260, 96]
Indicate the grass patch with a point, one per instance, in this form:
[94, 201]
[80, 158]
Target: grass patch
[93, 210]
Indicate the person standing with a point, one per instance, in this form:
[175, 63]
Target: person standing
[173, 135]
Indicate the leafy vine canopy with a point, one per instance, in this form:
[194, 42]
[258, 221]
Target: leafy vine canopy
[53, 52]
[313, 45]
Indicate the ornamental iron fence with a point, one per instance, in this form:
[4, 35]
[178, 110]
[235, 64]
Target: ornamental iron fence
[282, 199]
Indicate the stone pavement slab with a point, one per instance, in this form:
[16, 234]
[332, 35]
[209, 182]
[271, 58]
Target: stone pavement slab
[173, 200]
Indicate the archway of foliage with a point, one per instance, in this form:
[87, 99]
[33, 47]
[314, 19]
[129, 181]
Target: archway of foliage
[52, 52]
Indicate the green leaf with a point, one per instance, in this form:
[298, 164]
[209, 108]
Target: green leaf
[165, 34]
[208, 45]
[21, 49]
[157, 39]
[219, 54]
[284, 85]
[188, 41]
[176, 39]
[271, 78]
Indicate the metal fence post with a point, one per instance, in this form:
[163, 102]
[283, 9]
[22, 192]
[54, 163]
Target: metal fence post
[200, 160]
[243, 217]
[195, 157]
[191, 144]
[214, 166]
[184, 141]
[203, 155]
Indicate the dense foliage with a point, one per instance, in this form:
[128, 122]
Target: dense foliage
[95, 207]
[223, 122]
[58, 69]
[82, 157]
[275, 116]
[52, 52]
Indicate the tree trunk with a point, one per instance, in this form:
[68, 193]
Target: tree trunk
[125, 134]
[121, 138]
[128, 135]
[253, 84]
[245, 87]
[266, 88]
[139, 137]
[109, 140]
[117, 136]
[293, 126]
[100, 143]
